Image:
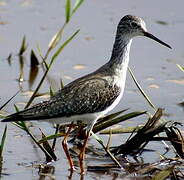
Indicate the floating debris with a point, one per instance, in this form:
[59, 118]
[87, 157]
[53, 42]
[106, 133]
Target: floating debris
[79, 67]
[177, 81]
[162, 22]
[155, 86]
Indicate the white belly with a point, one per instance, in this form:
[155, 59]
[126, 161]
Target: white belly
[114, 104]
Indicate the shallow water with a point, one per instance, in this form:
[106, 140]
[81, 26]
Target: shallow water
[154, 65]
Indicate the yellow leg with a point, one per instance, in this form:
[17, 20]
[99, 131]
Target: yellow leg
[82, 154]
[65, 147]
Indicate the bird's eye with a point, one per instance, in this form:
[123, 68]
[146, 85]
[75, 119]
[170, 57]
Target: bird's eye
[134, 25]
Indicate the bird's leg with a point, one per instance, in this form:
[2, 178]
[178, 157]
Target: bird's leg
[65, 147]
[82, 153]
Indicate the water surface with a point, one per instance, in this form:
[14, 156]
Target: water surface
[154, 65]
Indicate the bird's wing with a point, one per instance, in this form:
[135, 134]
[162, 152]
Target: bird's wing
[85, 96]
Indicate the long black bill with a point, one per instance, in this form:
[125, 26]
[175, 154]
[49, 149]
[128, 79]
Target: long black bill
[147, 34]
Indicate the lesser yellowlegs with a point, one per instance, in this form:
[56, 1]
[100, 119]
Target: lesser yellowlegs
[90, 97]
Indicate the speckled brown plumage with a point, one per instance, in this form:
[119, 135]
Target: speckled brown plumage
[82, 96]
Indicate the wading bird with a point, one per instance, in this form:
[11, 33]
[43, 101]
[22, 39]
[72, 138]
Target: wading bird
[92, 96]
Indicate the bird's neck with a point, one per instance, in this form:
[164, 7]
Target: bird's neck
[117, 66]
[120, 55]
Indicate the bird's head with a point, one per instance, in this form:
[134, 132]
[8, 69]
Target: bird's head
[132, 26]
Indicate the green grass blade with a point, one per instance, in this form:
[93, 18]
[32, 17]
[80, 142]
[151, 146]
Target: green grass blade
[52, 60]
[42, 148]
[48, 148]
[36, 90]
[107, 150]
[180, 67]
[3, 141]
[51, 92]
[55, 40]
[39, 50]
[16, 108]
[110, 116]
[97, 139]
[62, 47]
[9, 100]
[76, 6]
[23, 126]
[141, 90]
[57, 37]
[20, 125]
[111, 122]
[50, 137]
[2, 116]
[67, 10]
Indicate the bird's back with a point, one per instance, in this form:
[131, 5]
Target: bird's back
[90, 94]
